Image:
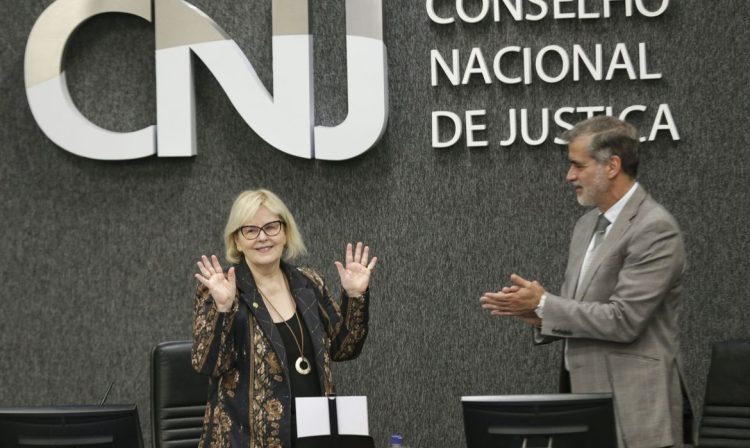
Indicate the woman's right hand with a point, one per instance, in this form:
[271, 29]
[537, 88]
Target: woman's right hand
[222, 287]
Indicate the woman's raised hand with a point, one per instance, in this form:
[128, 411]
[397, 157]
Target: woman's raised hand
[355, 277]
[222, 287]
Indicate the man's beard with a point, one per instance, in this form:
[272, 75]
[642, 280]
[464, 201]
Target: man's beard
[590, 196]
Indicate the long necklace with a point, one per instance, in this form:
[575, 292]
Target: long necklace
[302, 365]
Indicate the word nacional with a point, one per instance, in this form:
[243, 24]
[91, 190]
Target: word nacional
[534, 10]
[533, 66]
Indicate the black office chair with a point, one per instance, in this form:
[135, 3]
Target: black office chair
[178, 396]
[726, 409]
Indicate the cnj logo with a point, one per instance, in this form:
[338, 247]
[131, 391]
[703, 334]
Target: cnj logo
[283, 118]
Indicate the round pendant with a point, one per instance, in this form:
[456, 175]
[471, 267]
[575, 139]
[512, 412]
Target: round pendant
[302, 365]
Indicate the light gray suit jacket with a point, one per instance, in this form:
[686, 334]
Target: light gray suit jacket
[621, 322]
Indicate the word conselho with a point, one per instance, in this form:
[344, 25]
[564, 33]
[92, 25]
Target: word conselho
[535, 10]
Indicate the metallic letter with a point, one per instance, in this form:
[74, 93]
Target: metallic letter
[47, 90]
[367, 77]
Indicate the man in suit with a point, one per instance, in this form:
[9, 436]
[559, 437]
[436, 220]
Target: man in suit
[619, 306]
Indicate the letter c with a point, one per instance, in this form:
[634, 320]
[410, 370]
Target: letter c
[47, 89]
[436, 18]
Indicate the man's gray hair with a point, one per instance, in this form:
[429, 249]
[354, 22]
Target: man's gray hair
[610, 136]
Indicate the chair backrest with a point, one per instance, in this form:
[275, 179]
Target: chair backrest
[178, 396]
[726, 409]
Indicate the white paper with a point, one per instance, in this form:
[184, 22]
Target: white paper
[313, 419]
[312, 416]
[352, 415]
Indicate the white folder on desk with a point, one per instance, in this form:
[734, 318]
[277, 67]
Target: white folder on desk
[313, 418]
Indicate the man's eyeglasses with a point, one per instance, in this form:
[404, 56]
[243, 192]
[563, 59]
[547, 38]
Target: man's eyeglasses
[270, 229]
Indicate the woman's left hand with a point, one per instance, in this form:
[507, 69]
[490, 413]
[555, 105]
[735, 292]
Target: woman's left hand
[355, 277]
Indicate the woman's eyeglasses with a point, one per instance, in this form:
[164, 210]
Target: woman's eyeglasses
[270, 229]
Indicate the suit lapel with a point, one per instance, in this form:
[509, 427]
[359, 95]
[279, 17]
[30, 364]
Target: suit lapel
[249, 294]
[578, 246]
[612, 240]
[307, 305]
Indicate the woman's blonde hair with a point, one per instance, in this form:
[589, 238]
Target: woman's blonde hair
[245, 207]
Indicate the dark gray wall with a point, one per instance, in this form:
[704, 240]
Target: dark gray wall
[97, 258]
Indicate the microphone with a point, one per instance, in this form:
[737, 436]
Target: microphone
[106, 394]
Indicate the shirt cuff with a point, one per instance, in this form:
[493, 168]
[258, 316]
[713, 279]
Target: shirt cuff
[539, 310]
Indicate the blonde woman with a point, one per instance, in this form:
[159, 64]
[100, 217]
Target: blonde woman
[265, 330]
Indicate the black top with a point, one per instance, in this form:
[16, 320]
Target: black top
[302, 385]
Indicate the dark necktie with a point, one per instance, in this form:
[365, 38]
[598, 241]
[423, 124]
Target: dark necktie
[599, 230]
[597, 237]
